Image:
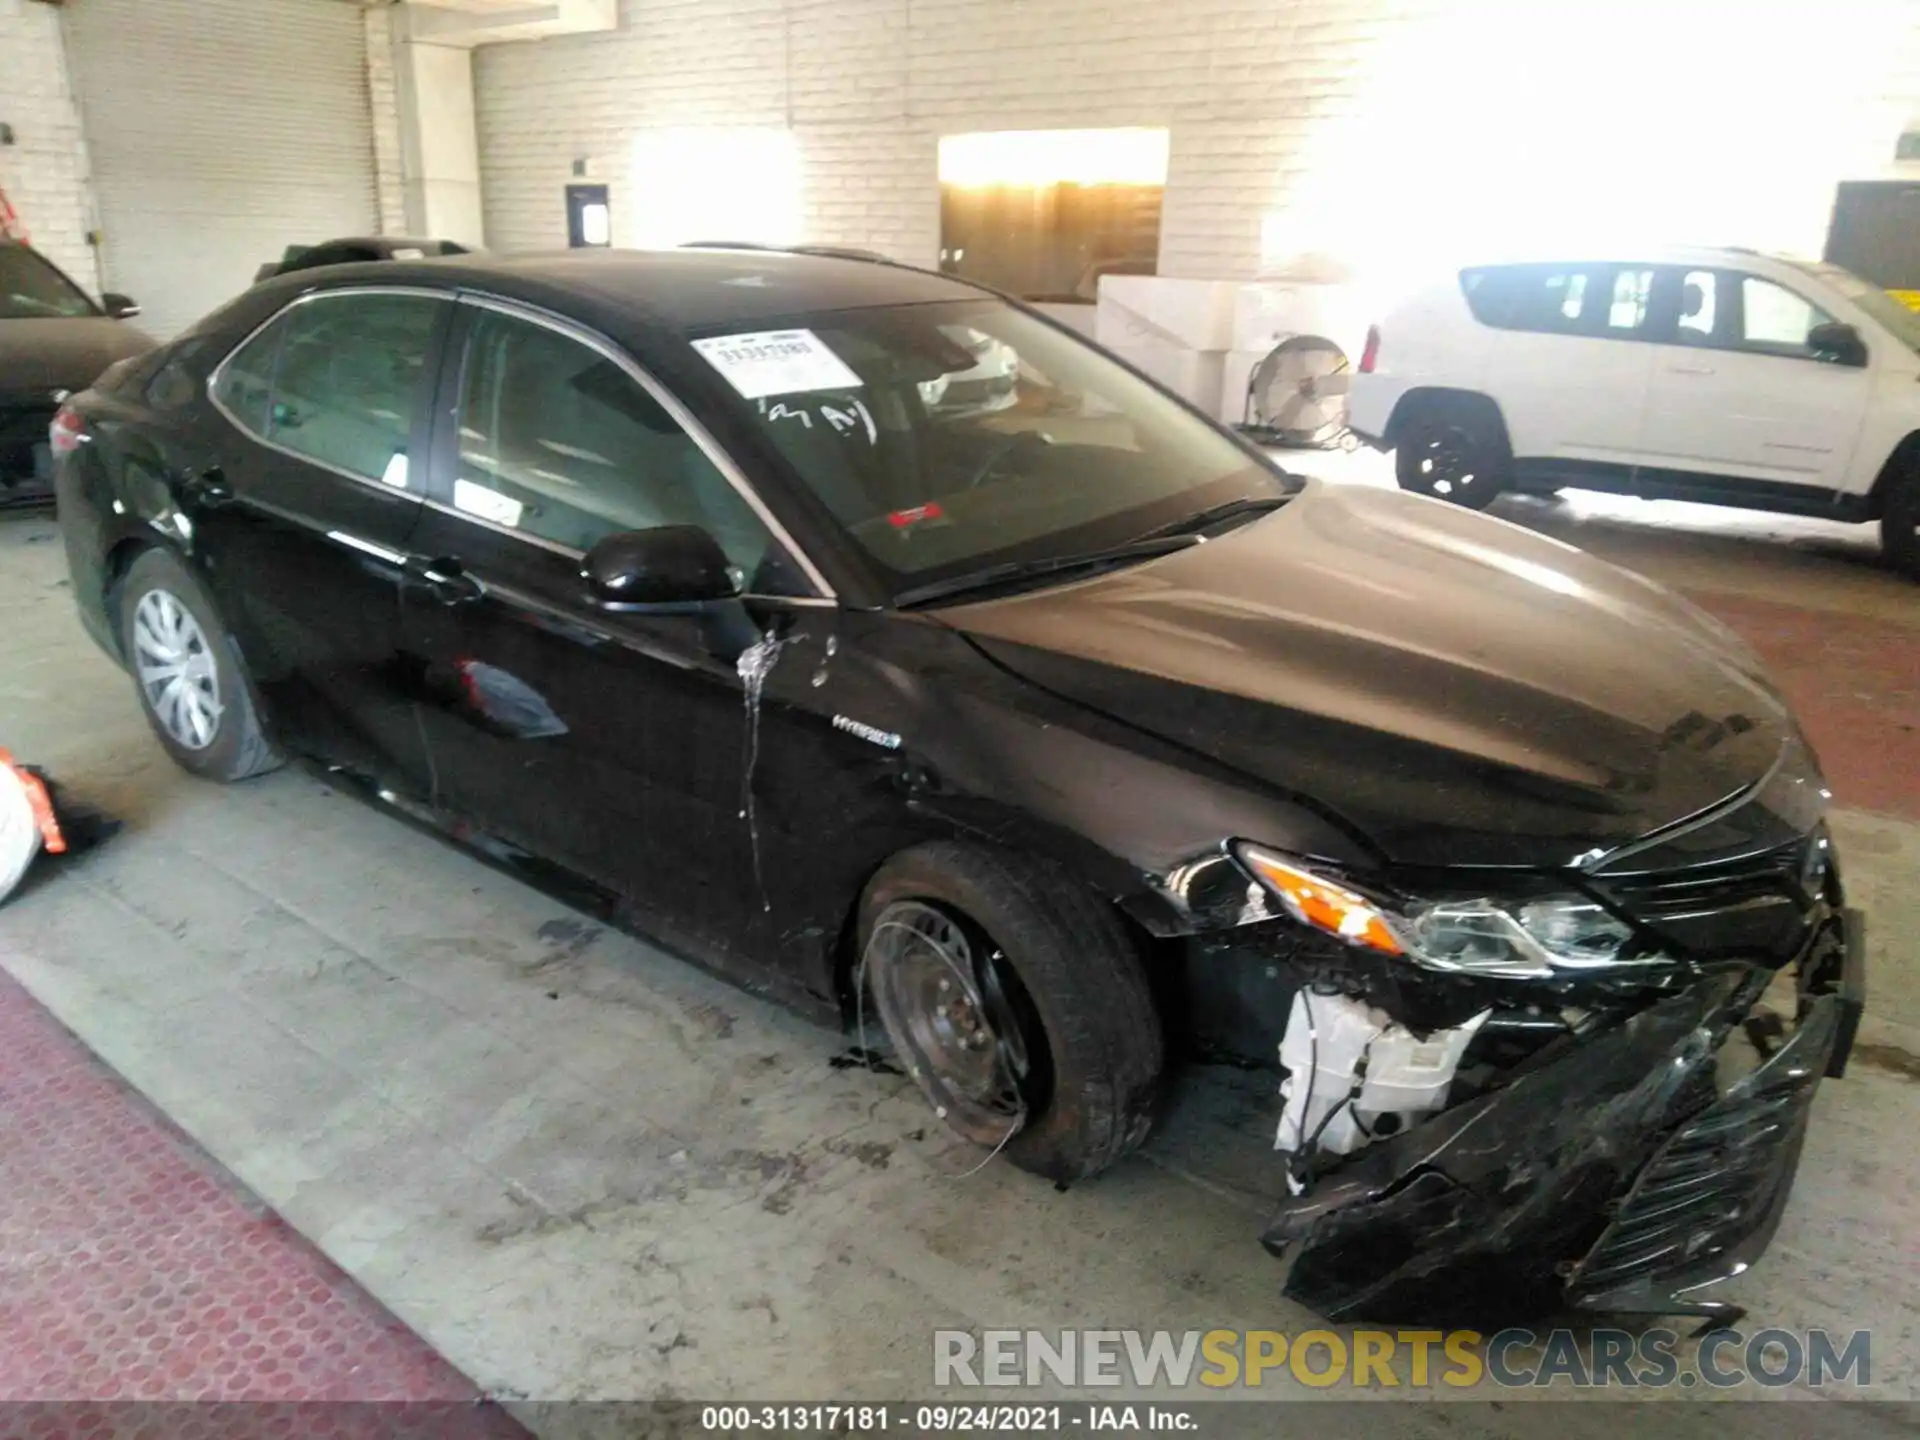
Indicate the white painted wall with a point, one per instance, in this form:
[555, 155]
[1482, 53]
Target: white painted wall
[383, 99]
[1371, 128]
[44, 171]
[439, 149]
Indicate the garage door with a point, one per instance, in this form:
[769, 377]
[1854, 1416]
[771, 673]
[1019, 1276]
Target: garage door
[220, 131]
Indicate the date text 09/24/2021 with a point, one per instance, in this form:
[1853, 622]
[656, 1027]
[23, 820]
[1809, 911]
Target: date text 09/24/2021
[919, 1419]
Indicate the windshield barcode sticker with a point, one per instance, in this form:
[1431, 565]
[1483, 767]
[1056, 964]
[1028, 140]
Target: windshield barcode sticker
[777, 362]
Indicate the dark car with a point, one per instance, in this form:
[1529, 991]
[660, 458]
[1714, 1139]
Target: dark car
[353, 248]
[1062, 743]
[53, 341]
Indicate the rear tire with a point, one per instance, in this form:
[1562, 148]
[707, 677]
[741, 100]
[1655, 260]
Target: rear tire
[187, 672]
[1064, 995]
[1900, 524]
[1454, 451]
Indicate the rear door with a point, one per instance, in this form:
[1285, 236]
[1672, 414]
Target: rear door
[1570, 365]
[618, 746]
[1738, 394]
[301, 498]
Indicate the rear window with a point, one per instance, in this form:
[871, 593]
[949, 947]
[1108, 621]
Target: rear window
[31, 289]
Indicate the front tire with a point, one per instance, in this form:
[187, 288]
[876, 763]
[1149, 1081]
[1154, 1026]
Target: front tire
[1017, 1001]
[187, 672]
[1900, 524]
[1452, 452]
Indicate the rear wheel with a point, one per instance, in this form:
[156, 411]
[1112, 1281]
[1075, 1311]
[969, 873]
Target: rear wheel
[1454, 452]
[187, 672]
[1017, 1001]
[1900, 524]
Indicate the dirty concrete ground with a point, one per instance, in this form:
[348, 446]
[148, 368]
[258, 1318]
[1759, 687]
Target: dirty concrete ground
[585, 1170]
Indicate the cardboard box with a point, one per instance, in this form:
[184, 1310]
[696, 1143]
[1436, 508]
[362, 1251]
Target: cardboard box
[1267, 313]
[1144, 309]
[1075, 317]
[1194, 374]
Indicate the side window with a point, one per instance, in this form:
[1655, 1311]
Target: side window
[560, 442]
[1627, 309]
[1550, 298]
[245, 385]
[1774, 320]
[348, 382]
[168, 375]
[1699, 307]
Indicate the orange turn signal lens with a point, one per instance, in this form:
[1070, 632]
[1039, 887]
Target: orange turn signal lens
[1316, 901]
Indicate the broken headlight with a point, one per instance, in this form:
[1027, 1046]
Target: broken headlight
[1528, 939]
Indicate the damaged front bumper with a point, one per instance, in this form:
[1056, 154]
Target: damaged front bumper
[1620, 1174]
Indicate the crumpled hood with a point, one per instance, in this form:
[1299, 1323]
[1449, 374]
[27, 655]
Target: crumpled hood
[1460, 690]
[63, 354]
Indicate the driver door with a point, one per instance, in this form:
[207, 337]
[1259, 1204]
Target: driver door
[613, 745]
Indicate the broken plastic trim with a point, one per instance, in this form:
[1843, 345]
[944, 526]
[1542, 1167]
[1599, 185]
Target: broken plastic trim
[1500, 1206]
[1707, 1204]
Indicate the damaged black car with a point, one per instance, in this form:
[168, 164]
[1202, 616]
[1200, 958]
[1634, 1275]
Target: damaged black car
[1062, 741]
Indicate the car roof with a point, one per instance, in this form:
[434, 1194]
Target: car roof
[1726, 256]
[684, 290]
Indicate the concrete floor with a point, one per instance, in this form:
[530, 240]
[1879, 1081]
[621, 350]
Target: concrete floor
[584, 1170]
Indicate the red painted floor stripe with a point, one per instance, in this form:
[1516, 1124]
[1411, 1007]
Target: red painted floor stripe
[133, 1268]
[1855, 682]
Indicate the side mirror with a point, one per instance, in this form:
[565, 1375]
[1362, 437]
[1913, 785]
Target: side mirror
[118, 306]
[1838, 344]
[667, 565]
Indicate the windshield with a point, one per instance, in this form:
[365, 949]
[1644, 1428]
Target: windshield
[952, 436]
[1882, 307]
[31, 289]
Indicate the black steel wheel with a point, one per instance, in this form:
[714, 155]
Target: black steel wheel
[943, 995]
[1451, 453]
[1017, 1002]
[1900, 524]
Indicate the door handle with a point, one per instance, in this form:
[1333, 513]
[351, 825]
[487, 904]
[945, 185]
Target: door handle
[445, 578]
[1690, 370]
[207, 490]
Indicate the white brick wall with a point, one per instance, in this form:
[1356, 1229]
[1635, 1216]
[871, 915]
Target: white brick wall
[44, 171]
[1286, 115]
[383, 97]
[869, 86]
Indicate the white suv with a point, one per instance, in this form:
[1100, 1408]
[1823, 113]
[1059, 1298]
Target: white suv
[1720, 376]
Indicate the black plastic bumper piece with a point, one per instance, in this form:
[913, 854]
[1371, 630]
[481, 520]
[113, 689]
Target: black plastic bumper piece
[1617, 1177]
[1707, 1204]
[1852, 991]
[1476, 1217]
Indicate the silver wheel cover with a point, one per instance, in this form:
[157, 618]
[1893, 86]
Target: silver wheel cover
[179, 678]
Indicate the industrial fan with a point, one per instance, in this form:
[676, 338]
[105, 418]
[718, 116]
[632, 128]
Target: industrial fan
[1297, 396]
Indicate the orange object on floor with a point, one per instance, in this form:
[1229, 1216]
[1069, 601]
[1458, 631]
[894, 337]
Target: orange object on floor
[39, 801]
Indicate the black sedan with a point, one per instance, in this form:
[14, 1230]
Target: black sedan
[53, 341]
[1064, 740]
